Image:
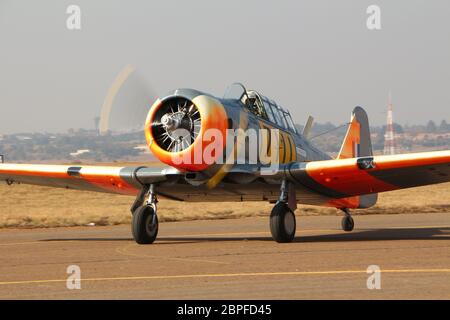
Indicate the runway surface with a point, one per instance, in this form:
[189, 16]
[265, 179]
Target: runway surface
[233, 259]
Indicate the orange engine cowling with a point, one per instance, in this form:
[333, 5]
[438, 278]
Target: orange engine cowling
[181, 131]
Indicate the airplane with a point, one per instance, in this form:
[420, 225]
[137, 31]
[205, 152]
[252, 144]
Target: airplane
[303, 174]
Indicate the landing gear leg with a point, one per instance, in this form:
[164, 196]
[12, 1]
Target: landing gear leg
[144, 223]
[282, 218]
[347, 221]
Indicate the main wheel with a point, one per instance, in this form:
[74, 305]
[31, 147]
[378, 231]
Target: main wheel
[282, 223]
[347, 223]
[144, 225]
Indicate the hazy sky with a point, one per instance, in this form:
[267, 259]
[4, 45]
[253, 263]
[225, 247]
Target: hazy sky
[313, 57]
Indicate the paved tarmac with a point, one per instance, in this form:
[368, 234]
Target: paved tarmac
[233, 259]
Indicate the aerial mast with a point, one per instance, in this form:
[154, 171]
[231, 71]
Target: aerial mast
[389, 136]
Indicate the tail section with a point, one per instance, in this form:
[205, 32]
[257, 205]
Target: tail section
[357, 143]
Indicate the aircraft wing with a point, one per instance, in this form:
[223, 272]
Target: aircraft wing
[121, 180]
[366, 175]
[331, 179]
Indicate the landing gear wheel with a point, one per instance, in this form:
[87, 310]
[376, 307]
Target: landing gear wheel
[144, 225]
[282, 223]
[347, 223]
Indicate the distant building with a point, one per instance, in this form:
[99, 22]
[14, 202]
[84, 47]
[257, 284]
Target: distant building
[79, 152]
[24, 138]
[142, 148]
[97, 123]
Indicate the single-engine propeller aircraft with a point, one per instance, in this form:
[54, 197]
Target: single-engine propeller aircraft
[185, 125]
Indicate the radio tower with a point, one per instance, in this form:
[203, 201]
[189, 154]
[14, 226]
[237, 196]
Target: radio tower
[389, 136]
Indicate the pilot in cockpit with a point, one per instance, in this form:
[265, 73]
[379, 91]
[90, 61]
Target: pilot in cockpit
[252, 105]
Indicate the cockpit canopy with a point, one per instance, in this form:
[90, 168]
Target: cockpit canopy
[261, 106]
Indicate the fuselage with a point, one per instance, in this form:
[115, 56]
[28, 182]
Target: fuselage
[249, 113]
[213, 180]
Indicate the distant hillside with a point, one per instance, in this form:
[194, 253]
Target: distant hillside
[87, 146]
[408, 138]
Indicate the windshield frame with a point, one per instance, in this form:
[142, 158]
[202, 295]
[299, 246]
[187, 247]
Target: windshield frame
[230, 95]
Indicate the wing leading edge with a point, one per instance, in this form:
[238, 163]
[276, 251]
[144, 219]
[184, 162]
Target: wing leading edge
[368, 175]
[120, 180]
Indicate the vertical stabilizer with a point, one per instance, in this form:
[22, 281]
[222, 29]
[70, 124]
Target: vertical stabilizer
[357, 141]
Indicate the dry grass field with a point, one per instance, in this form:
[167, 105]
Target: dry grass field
[27, 206]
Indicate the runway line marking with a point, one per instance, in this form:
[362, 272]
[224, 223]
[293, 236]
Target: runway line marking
[230, 275]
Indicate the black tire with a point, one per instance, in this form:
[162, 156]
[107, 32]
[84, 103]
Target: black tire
[282, 223]
[143, 227]
[347, 223]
